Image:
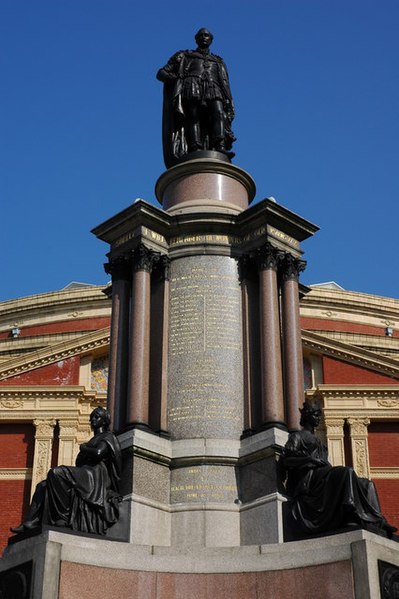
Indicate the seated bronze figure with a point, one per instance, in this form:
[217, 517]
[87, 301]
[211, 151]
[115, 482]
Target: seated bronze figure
[323, 497]
[84, 497]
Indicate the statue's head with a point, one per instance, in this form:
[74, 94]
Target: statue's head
[100, 417]
[310, 413]
[203, 37]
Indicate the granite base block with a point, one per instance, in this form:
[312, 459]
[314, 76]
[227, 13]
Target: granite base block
[65, 566]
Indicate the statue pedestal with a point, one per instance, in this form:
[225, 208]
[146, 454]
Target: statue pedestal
[54, 565]
[205, 185]
[224, 492]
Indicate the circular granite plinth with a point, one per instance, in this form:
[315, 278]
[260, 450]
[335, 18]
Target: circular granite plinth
[205, 184]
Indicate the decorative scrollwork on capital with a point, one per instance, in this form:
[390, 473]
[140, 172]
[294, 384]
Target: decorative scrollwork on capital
[358, 426]
[143, 258]
[268, 257]
[291, 267]
[118, 267]
[44, 427]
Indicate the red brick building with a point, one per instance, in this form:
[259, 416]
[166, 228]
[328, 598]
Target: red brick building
[54, 370]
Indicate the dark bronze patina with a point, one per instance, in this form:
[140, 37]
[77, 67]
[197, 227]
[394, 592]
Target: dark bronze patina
[325, 498]
[84, 497]
[198, 106]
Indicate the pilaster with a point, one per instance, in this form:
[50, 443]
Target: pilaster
[360, 452]
[43, 449]
[335, 440]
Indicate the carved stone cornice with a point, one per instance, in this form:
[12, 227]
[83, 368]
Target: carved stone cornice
[143, 258]
[291, 267]
[119, 267]
[350, 353]
[269, 257]
[55, 353]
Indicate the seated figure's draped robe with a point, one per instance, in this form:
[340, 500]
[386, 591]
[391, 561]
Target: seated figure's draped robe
[325, 497]
[84, 497]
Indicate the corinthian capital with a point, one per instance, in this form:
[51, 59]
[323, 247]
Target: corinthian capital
[143, 258]
[291, 267]
[118, 267]
[268, 257]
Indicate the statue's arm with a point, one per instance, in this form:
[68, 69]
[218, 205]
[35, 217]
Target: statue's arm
[94, 453]
[170, 71]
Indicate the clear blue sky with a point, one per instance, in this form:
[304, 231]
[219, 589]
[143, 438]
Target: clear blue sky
[316, 89]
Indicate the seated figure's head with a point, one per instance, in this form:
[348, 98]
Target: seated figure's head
[310, 414]
[100, 417]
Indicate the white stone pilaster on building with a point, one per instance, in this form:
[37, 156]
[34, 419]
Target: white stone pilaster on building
[359, 443]
[335, 440]
[68, 443]
[43, 449]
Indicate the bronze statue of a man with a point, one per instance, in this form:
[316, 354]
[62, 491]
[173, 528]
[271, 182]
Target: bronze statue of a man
[198, 106]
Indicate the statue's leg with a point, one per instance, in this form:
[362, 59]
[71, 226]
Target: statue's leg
[35, 512]
[60, 487]
[193, 129]
[217, 119]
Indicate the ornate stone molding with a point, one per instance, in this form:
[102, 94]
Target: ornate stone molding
[43, 449]
[15, 473]
[55, 353]
[389, 473]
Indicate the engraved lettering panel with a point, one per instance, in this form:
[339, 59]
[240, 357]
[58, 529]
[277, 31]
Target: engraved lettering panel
[205, 348]
[203, 484]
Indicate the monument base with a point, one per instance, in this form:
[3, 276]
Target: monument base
[226, 493]
[54, 565]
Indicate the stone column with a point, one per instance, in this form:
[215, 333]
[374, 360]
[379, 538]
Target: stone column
[293, 358]
[360, 451]
[68, 445]
[43, 449]
[118, 351]
[165, 265]
[270, 338]
[137, 413]
[159, 345]
[335, 440]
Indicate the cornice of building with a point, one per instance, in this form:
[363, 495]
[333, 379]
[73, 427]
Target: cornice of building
[85, 344]
[349, 353]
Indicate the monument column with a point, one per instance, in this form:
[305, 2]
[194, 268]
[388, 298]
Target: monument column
[117, 378]
[270, 338]
[137, 413]
[293, 359]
